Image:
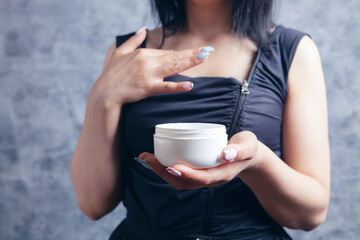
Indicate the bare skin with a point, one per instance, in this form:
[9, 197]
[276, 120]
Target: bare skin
[294, 190]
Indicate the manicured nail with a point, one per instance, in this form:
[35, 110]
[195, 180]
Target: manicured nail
[188, 85]
[202, 55]
[173, 172]
[140, 30]
[229, 154]
[208, 49]
[144, 164]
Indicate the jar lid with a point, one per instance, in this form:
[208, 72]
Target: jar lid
[192, 127]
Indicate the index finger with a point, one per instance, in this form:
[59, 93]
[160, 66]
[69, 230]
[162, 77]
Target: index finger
[173, 62]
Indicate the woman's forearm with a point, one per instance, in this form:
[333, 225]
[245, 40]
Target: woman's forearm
[291, 198]
[95, 168]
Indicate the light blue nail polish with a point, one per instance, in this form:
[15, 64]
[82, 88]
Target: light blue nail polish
[209, 49]
[144, 164]
[202, 55]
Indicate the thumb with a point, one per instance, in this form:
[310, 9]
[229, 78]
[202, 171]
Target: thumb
[241, 146]
[132, 43]
[240, 151]
[230, 152]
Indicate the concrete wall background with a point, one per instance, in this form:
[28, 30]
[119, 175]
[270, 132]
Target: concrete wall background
[51, 52]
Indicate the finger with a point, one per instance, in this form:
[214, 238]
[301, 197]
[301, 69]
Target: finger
[132, 43]
[177, 55]
[161, 171]
[158, 168]
[171, 87]
[173, 62]
[150, 158]
[242, 146]
[144, 155]
[232, 152]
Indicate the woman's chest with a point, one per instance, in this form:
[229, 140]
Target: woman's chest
[225, 62]
[212, 100]
[233, 56]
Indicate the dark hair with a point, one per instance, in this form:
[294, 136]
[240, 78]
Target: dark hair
[250, 18]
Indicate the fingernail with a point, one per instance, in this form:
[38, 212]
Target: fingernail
[144, 164]
[188, 85]
[208, 49]
[202, 55]
[173, 172]
[229, 154]
[140, 30]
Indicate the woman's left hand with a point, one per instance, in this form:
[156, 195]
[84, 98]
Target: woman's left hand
[238, 155]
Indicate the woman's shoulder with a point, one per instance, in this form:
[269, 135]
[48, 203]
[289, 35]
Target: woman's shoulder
[282, 30]
[286, 37]
[283, 44]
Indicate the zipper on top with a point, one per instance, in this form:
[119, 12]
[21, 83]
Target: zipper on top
[245, 88]
[243, 93]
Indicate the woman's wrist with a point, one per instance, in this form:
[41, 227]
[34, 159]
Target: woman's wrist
[100, 97]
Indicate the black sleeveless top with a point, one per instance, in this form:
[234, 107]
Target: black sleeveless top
[155, 209]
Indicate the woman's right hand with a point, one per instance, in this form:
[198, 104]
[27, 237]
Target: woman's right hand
[129, 75]
[132, 74]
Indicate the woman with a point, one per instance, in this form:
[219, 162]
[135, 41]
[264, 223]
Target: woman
[263, 82]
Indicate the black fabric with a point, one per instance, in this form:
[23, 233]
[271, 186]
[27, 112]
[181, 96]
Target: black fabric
[230, 211]
[122, 232]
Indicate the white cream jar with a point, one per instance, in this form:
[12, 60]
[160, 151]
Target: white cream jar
[198, 145]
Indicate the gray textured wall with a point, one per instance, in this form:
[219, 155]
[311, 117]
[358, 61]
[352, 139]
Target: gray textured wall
[51, 52]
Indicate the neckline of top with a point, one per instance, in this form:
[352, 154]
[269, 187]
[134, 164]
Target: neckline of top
[258, 53]
[190, 78]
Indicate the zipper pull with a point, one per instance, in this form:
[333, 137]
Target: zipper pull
[244, 88]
